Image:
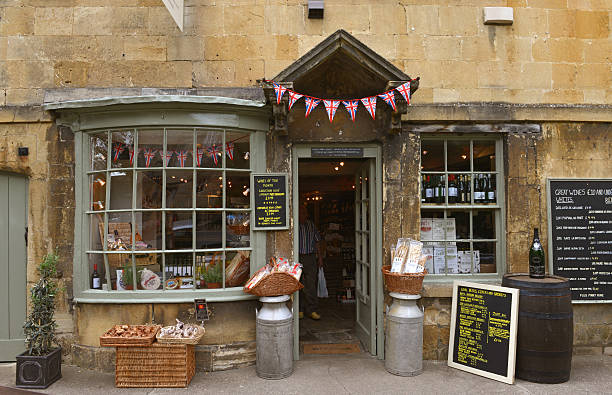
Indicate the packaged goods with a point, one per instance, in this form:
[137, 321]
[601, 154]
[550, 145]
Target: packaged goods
[408, 257]
[276, 265]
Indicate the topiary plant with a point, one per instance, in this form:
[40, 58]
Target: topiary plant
[39, 327]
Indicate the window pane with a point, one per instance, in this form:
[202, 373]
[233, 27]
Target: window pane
[458, 155]
[238, 229]
[458, 225]
[485, 251]
[209, 189]
[150, 148]
[179, 148]
[484, 224]
[179, 188]
[149, 188]
[149, 271]
[237, 268]
[236, 193]
[148, 230]
[485, 189]
[119, 231]
[98, 144]
[97, 190]
[209, 270]
[179, 229]
[96, 261]
[122, 144]
[237, 150]
[432, 155]
[484, 155]
[427, 225]
[121, 190]
[208, 230]
[179, 271]
[210, 148]
[464, 259]
[96, 232]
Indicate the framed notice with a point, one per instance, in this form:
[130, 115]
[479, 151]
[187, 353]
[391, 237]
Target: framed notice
[580, 236]
[270, 201]
[483, 330]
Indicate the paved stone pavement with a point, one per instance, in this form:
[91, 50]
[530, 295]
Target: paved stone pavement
[341, 374]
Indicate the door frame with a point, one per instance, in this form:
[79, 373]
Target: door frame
[370, 151]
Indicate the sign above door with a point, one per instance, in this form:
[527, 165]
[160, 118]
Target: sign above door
[336, 152]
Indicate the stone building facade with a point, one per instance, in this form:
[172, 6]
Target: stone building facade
[542, 87]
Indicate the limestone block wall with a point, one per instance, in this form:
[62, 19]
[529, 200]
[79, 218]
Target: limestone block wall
[557, 51]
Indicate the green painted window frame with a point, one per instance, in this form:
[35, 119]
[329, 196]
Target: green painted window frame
[498, 208]
[251, 121]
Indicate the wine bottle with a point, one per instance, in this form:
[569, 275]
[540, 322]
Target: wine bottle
[423, 186]
[491, 192]
[477, 189]
[452, 189]
[429, 193]
[437, 191]
[96, 281]
[468, 190]
[536, 257]
[442, 190]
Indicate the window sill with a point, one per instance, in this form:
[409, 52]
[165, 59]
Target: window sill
[174, 296]
[443, 287]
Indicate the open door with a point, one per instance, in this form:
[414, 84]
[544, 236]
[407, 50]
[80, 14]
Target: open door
[365, 255]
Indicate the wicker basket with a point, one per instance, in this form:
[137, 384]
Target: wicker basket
[403, 283]
[172, 340]
[275, 284]
[157, 365]
[112, 341]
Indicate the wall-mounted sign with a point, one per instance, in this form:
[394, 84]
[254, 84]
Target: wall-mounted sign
[580, 241]
[336, 152]
[483, 330]
[176, 9]
[201, 310]
[270, 200]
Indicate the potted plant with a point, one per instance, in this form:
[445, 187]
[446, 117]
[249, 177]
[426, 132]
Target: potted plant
[214, 276]
[127, 277]
[41, 364]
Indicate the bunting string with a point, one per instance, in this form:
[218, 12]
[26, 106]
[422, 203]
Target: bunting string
[351, 105]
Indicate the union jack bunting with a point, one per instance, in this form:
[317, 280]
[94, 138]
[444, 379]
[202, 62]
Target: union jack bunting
[213, 152]
[149, 154]
[331, 106]
[351, 107]
[404, 89]
[293, 97]
[118, 149]
[370, 105]
[389, 98]
[199, 155]
[131, 151]
[229, 148]
[279, 90]
[167, 156]
[311, 103]
[182, 157]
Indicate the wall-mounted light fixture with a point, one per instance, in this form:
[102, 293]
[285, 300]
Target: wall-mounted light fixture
[315, 9]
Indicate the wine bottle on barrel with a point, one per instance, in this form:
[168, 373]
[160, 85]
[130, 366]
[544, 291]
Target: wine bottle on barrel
[536, 257]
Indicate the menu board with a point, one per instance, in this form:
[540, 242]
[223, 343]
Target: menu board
[270, 201]
[483, 330]
[580, 242]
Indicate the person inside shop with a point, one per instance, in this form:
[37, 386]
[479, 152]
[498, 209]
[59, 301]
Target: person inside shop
[311, 259]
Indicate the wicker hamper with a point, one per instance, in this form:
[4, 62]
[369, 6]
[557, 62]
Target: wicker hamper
[157, 365]
[403, 283]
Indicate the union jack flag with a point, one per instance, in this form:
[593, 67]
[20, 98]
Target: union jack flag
[279, 90]
[331, 106]
[404, 89]
[351, 107]
[311, 103]
[370, 105]
[118, 150]
[293, 97]
[167, 156]
[389, 98]
[182, 157]
[213, 152]
[149, 154]
[199, 156]
[229, 148]
[131, 151]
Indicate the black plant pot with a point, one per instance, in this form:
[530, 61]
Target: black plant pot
[35, 371]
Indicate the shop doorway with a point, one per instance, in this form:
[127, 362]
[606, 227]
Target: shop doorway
[340, 194]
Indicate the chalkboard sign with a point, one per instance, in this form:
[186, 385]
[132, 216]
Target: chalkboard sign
[483, 330]
[580, 236]
[270, 201]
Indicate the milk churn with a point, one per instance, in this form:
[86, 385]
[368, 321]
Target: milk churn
[274, 334]
[404, 339]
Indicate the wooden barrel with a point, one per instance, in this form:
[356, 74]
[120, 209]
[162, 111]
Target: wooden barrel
[545, 328]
